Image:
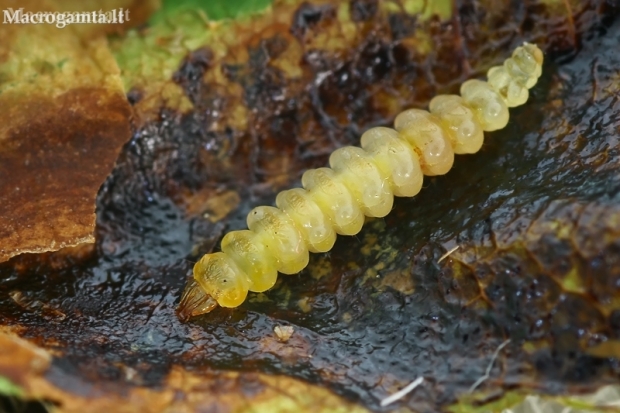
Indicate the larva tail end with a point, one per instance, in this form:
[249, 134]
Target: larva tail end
[194, 302]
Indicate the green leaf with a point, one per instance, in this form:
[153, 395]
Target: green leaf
[8, 388]
[214, 10]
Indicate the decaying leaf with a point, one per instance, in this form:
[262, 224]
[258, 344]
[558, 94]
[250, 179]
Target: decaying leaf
[228, 113]
[183, 390]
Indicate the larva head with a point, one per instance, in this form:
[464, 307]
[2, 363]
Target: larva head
[194, 302]
[219, 276]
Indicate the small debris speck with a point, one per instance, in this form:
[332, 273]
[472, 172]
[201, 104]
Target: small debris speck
[283, 332]
[447, 254]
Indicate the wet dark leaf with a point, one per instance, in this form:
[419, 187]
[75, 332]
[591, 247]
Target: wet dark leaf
[238, 112]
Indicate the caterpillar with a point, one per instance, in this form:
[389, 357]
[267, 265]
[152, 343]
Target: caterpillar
[361, 181]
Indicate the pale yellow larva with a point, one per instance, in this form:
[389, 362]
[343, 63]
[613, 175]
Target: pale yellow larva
[361, 182]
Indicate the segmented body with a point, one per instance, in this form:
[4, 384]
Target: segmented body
[360, 182]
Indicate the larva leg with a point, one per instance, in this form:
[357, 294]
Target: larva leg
[361, 181]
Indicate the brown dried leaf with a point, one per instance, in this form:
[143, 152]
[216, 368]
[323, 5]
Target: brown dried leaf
[63, 121]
